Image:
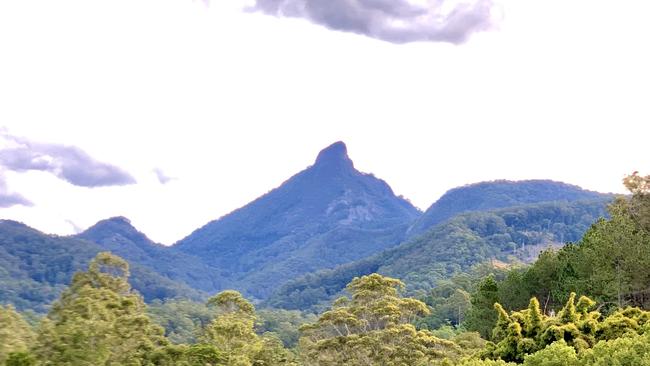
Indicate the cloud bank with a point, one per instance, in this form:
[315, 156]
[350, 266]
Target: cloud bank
[66, 162]
[397, 21]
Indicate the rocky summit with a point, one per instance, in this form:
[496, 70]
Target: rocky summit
[328, 214]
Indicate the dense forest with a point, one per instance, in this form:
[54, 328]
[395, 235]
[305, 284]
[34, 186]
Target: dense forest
[583, 304]
[35, 268]
[452, 247]
[486, 196]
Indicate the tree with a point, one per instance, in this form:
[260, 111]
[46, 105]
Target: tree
[98, 320]
[232, 332]
[609, 263]
[284, 323]
[183, 320]
[525, 332]
[625, 351]
[20, 359]
[184, 355]
[612, 260]
[639, 204]
[15, 334]
[475, 362]
[232, 329]
[557, 354]
[481, 317]
[373, 327]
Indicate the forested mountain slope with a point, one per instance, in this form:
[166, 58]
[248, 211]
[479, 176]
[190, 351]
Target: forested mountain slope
[515, 233]
[485, 196]
[118, 236]
[326, 215]
[330, 217]
[36, 267]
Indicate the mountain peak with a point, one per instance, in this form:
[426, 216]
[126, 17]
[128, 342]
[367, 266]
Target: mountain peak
[334, 155]
[109, 228]
[117, 221]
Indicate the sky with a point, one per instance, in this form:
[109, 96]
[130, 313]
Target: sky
[175, 112]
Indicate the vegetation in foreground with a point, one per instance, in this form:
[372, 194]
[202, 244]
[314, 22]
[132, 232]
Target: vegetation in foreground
[585, 305]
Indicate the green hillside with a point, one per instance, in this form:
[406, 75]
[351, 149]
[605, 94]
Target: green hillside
[516, 233]
[118, 236]
[485, 196]
[36, 267]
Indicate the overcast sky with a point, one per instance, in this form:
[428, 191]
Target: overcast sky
[174, 112]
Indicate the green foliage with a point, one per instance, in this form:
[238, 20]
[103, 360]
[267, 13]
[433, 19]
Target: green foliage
[452, 248]
[20, 359]
[632, 350]
[639, 204]
[202, 354]
[232, 332]
[233, 329]
[35, 268]
[450, 300]
[466, 240]
[232, 302]
[283, 235]
[612, 260]
[119, 237]
[576, 326]
[475, 362]
[98, 320]
[373, 327]
[183, 320]
[609, 264]
[557, 354]
[481, 317]
[487, 196]
[285, 324]
[452, 308]
[15, 334]
[184, 355]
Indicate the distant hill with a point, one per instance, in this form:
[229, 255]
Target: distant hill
[36, 267]
[326, 215]
[515, 233]
[497, 194]
[118, 236]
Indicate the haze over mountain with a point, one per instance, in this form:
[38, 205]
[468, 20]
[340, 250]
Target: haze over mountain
[326, 215]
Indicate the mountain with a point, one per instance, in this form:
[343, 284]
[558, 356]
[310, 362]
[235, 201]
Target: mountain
[326, 215]
[497, 194]
[36, 267]
[505, 235]
[118, 236]
[300, 243]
